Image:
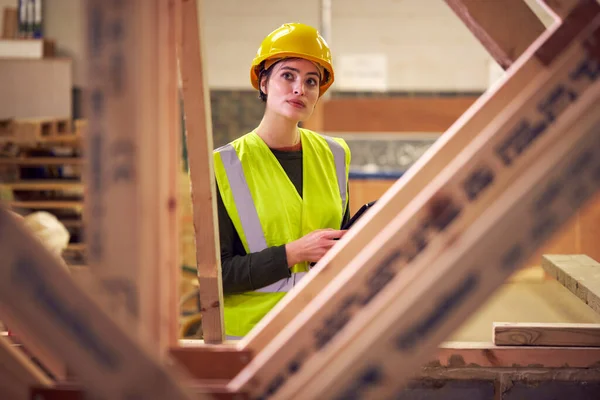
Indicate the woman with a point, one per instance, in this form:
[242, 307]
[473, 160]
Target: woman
[282, 190]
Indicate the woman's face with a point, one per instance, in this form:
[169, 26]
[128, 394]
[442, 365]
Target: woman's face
[292, 88]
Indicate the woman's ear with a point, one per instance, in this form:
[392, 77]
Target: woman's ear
[263, 84]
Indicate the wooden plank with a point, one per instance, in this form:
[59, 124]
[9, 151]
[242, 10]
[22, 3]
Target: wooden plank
[50, 204]
[377, 353]
[505, 28]
[431, 224]
[43, 185]
[17, 372]
[463, 354]
[436, 159]
[212, 362]
[130, 205]
[579, 273]
[200, 147]
[167, 156]
[545, 334]
[74, 319]
[42, 160]
[393, 114]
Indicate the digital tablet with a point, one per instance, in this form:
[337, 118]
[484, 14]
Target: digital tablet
[358, 214]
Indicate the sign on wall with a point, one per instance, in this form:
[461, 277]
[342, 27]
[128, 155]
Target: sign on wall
[361, 72]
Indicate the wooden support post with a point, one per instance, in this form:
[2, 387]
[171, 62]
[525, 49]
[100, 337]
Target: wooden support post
[448, 146]
[505, 28]
[130, 203]
[18, 372]
[200, 148]
[168, 162]
[431, 225]
[540, 334]
[578, 273]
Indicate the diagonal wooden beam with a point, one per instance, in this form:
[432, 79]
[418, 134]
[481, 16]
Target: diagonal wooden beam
[505, 28]
[200, 148]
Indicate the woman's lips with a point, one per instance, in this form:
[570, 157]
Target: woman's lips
[297, 104]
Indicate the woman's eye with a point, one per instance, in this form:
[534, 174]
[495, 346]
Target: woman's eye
[287, 75]
[311, 81]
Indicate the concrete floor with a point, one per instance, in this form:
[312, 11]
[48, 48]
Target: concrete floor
[528, 298]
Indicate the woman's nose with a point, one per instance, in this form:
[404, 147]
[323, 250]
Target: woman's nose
[299, 89]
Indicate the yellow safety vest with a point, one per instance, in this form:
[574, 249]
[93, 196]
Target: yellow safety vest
[267, 210]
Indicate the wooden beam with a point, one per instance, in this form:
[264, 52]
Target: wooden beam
[505, 28]
[546, 334]
[463, 354]
[392, 114]
[212, 362]
[200, 148]
[578, 273]
[168, 161]
[436, 159]
[427, 231]
[130, 203]
[18, 372]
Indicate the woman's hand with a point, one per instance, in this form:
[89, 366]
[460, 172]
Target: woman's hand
[311, 247]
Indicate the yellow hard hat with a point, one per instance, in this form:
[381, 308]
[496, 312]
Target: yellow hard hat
[294, 40]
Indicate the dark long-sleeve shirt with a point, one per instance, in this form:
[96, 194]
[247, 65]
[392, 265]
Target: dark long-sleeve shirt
[242, 272]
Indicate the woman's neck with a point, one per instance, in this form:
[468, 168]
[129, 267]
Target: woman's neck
[278, 132]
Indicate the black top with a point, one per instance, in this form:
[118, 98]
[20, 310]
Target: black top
[244, 272]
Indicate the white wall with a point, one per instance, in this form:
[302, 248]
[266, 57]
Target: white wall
[424, 45]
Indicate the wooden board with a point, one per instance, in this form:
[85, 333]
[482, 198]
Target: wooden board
[435, 159]
[580, 274]
[464, 354]
[43, 185]
[42, 160]
[505, 28]
[130, 203]
[200, 148]
[433, 222]
[557, 334]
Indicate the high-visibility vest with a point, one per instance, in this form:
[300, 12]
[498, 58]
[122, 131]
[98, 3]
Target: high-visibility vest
[266, 209]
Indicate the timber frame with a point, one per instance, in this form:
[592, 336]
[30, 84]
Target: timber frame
[116, 328]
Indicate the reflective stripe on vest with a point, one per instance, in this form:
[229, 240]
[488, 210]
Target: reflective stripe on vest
[247, 211]
[339, 158]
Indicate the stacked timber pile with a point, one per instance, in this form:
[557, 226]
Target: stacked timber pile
[40, 170]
